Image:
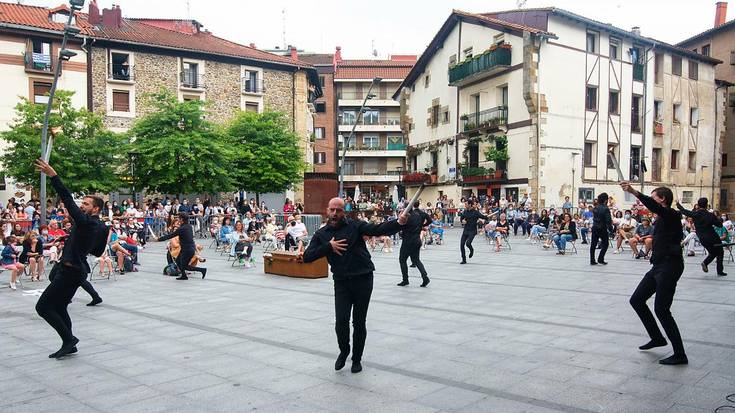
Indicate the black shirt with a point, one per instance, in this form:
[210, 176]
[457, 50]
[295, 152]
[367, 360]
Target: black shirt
[470, 217]
[23, 259]
[667, 233]
[186, 236]
[355, 260]
[417, 220]
[704, 222]
[601, 219]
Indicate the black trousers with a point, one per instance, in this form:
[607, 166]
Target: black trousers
[85, 284]
[518, 222]
[184, 259]
[53, 303]
[411, 247]
[466, 239]
[602, 238]
[661, 279]
[352, 295]
[715, 253]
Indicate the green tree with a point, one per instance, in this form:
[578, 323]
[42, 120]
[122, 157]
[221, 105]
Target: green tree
[178, 150]
[269, 157]
[88, 157]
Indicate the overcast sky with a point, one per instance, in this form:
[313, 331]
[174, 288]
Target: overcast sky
[396, 26]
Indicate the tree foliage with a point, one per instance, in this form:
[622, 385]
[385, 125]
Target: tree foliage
[86, 155]
[269, 158]
[178, 151]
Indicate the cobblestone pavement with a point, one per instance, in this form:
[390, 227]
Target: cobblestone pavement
[522, 330]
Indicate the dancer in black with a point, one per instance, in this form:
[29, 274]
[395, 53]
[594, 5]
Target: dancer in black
[185, 232]
[342, 242]
[72, 269]
[411, 244]
[705, 223]
[668, 265]
[601, 228]
[470, 217]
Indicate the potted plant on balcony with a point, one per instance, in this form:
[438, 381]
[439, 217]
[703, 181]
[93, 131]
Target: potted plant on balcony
[498, 154]
[415, 178]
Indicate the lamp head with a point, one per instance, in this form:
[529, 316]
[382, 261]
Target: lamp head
[76, 4]
[377, 79]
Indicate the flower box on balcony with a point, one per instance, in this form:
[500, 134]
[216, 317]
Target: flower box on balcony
[416, 178]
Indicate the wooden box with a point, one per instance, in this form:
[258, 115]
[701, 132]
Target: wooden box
[286, 263]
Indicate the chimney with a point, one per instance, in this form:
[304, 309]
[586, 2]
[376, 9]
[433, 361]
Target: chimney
[720, 13]
[294, 53]
[338, 54]
[112, 17]
[94, 14]
[636, 30]
[252, 46]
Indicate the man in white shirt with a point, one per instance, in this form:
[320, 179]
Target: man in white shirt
[296, 231]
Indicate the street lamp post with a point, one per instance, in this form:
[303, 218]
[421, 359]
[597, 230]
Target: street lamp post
[375, 81]
[133, 156]
[64, 55]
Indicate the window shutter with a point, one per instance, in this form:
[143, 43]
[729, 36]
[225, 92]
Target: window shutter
[120, 101]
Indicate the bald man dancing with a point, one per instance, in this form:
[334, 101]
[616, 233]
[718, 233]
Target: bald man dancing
[342, 242]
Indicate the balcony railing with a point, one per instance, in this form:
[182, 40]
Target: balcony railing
[360, 96]
[497, 58]
[486, 119]
[120, 72]
[391, 121]
[40, 61]
[252, 86]
[388, 147]
[638, 71]
[192, 79]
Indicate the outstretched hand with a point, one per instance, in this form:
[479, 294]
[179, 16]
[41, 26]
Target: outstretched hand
[403, 218]
[627, 187]
[44, 167]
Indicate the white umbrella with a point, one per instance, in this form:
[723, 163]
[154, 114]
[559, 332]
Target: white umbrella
[395, 193]
[357, 192]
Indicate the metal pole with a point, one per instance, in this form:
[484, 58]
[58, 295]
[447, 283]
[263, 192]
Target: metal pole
[47, 114]
[352, 133]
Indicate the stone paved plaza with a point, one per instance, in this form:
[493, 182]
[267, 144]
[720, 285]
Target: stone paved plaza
[517, 331]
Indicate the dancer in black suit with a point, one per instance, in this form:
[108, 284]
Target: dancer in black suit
[705, 223]
[470, 216]
[411, 244]
[601, 228]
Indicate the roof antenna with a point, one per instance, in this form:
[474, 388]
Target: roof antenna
[188, 9]
[521, 3]
[372, 45]
[283, 20]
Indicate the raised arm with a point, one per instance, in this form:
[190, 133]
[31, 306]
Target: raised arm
[60, 189]
[171, 235]
[684, 211]
[376, 230]
[647, 201]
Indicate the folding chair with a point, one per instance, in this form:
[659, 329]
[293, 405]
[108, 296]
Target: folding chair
[573, 244]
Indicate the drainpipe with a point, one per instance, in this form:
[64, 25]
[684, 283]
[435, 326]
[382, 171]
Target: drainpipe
[716, 146]
[88, 50]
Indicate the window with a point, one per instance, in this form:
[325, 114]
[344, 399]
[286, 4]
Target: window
[589, 154]
[434, 116]
[705, 50]
[349, 167]
[499, 39]
[251, 107]
[189, 98]
[321, 81]
[693, 70]
[677, 113]
[586, 194]
[687, 197]
[635, 114]
[674, 159]
[445, 116]
[371, 141]
[120, 101]
[614, 48]
[635, 163]
[614, 102]
[474, 156]
[321, 107]
[591, 42]
[426, 81]
[658, 108]
[190, 75]
[676, 65]
[694, 117]
[395, 143]
[611, 151]
[452, 60]
[370, 166]
[320, 157]
[467, 53]
[504, 96]
[658, 68]
[732, 57]
[352, 142]
[692, 162]
[347, 117]
[656, 164]
[41, 91]
[250, 82]
[724, 159]
[371, 117]
[62, 18]
[319, 133]
[39, 56]
[590, 101]
[120, 66]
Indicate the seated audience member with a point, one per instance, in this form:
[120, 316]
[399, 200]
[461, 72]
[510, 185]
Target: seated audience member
[554, 229]
[225, 230]
[643, 235]
[625, 230]
[50, 245]
[18, 231]
[32, 254]
[241, 245]
[9, 260]
[567, 232]
[437, 229]
[542, 227]
[296, 234]
[690, 237]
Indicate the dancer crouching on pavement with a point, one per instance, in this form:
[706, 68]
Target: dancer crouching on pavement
[668, 265]
[185, 232]
[342, 242]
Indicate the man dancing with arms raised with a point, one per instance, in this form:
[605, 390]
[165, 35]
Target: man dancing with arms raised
[668, 265]
[342, 242]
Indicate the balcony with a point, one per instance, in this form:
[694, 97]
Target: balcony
[638, 71]
[191, 80]
[40, 62]
[390, 150]
[371, 124]
[356, 99]
[120, 72]
[485, 121]
[480, 66]
[252, 86]
[480, 175]
[365, 176]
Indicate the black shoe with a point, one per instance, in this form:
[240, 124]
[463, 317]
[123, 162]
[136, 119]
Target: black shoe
[94, 302]
[402, 283]
[204, 273]
[182, 277]
[653, 344]
[722, 274]
[356, 366]
[602, 262]
[674, 360]
[704, 267]
[472, 252]
[584, 242]
[67, 348]
[341, 360]
[72, 351]
[426, 282]
[463, 262]
[412, 265]
[593, 262]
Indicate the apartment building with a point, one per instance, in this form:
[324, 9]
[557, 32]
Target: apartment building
[376, 152]
[719, 42]
[325, 119]
[533, 101]
[30, 39]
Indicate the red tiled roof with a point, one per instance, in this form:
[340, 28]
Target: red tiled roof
[317, 58]
[488, 18]
[38, 17]
[368, 69]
